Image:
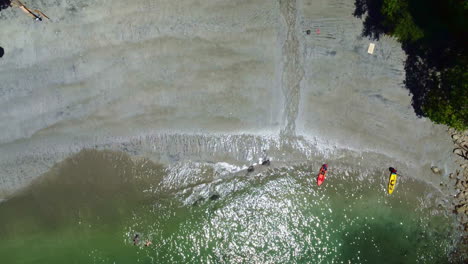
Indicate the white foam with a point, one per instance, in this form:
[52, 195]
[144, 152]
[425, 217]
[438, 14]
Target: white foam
[225, 168]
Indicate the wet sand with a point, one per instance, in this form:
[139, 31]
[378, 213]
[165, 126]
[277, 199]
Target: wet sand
[211, 81]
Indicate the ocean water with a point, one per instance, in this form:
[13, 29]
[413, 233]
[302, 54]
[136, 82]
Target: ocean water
[88, 208]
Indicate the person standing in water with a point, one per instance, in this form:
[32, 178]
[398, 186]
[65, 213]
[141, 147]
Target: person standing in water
[136, 239]
[36, 14]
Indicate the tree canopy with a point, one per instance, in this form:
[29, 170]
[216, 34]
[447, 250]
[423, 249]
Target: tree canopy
[433, 34]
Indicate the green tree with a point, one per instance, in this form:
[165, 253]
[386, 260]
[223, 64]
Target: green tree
[400, 22]
[433, 32]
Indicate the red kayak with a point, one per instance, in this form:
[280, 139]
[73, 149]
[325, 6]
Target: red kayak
[321, 175]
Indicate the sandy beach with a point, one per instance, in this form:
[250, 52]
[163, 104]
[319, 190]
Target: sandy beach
[207, 80]
[186, 95]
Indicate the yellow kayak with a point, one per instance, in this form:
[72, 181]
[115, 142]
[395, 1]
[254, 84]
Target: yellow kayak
[392, 182]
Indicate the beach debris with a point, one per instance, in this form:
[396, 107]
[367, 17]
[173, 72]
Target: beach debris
[317, 31]
[460, 152]
[370, 50]
[34, 13]
[148, 243]
[435, 169]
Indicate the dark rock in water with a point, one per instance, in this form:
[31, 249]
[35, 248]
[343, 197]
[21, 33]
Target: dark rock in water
[214, 197]
[2, 51]
[198, 201]
[462, 209]
[435, 169]
[266, 162]
[462, 195]
[251, 168]
[459, 184]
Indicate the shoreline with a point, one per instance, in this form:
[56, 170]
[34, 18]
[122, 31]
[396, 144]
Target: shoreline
[459, 183]
[209, 81]
[239, 148]
[283, 152]
[255, 75]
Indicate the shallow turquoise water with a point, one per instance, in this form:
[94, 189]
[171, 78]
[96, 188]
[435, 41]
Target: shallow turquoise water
[87, 209]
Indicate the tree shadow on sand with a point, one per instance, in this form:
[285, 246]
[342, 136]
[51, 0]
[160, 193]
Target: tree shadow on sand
[373, 27]
[433, 59]
[4, 4]
[373, 18]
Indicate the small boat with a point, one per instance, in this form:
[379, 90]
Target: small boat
[322, 174]
[392, 180]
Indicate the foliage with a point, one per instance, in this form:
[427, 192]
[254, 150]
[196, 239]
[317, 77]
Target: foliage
[433, 34]
[400, 22]
[452, 109]
[438, 110]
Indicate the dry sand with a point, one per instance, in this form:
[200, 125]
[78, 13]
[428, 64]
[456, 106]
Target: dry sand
[213, 80]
